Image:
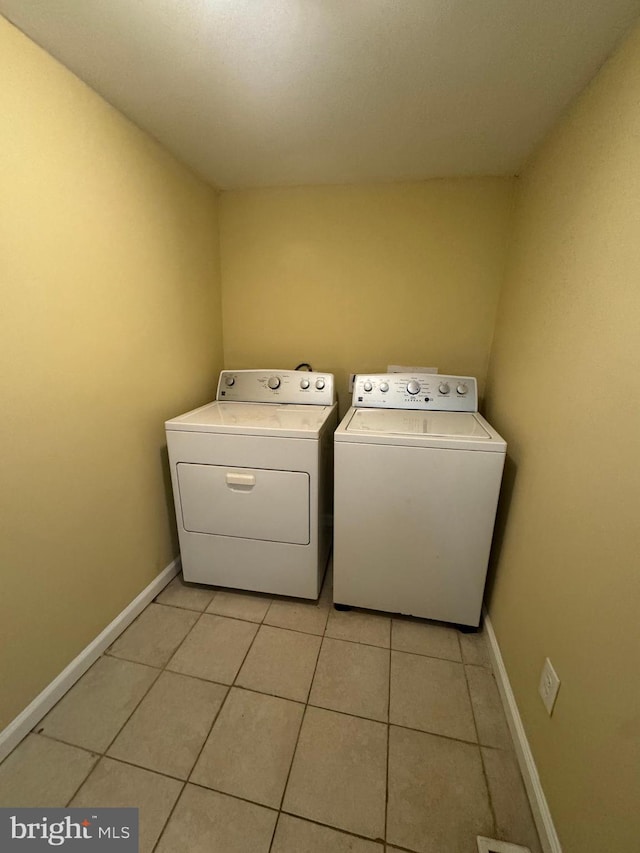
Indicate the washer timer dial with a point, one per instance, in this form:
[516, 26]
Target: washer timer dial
[413, 387]
[273, 382]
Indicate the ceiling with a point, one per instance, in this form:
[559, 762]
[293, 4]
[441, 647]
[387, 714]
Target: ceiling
[279, 92]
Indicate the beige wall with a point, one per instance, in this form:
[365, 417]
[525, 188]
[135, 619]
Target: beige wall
[563, 388]
[353, 278]
[109, 323]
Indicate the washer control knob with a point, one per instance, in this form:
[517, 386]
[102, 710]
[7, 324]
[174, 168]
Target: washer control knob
[367, 386]
[444, 388]
[413, 387]
[229, 381]
[462, 389]
[320, 383]
[304, 384]
[273, 382]
[384, 387]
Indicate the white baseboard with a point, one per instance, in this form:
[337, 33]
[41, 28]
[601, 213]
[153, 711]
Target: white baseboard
[539, 806]
[53, 692]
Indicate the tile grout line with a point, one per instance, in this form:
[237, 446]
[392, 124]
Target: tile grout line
[143, 697]
[489, 797]
[184, 606]
[286, 784]
[215, 717]
[386, 789]
[482, 764]
[315, 821]
[347, 832]
[184, 639]
[185, 781]
[146, 693]
[295, 702]
[169, 816]
[103, 754]
[280, 811]
[304, 714]
[233, 796]
[162, 773]
[473, 711]
[459, 647]
[314, 704]
[391, 617]
[213, 722]
[86, 779]
[307, 704]
[246, 655]
[254, 690]
[224, 702]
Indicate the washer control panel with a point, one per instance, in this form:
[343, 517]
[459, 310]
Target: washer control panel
[424, 391]
[276, 386]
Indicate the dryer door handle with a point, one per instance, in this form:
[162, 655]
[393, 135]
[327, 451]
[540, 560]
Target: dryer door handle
[246, 481]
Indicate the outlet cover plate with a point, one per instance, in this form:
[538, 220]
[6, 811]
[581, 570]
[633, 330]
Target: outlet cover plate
[549, 685]
[490, 845]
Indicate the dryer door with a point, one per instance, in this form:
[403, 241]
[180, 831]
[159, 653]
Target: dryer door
[249, 503]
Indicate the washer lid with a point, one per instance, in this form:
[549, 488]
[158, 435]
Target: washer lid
[461, 430]
[286, 421]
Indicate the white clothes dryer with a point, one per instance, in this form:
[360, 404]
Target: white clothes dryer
[417, 479]
[252, 477]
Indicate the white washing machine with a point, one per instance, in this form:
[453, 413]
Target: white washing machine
[417, 477]
[252, 478]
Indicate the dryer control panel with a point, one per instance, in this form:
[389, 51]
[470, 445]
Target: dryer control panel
[423, 391]
[276, 386]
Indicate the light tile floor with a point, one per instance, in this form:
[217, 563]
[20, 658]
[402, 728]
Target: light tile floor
[242, 723]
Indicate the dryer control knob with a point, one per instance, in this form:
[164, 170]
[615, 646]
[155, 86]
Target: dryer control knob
[229, 381]
[413, 387]
[304, 383]
[367, 386]
[320, 383]
[444, 388]
[384, 387]
[273, 382]
[462, 389]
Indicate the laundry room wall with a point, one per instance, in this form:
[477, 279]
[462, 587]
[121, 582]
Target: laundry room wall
[352, 278]
[110, 323]
[563, 390]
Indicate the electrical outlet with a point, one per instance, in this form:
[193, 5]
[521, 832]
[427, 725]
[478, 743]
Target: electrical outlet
[549, 685]
[352, 377]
